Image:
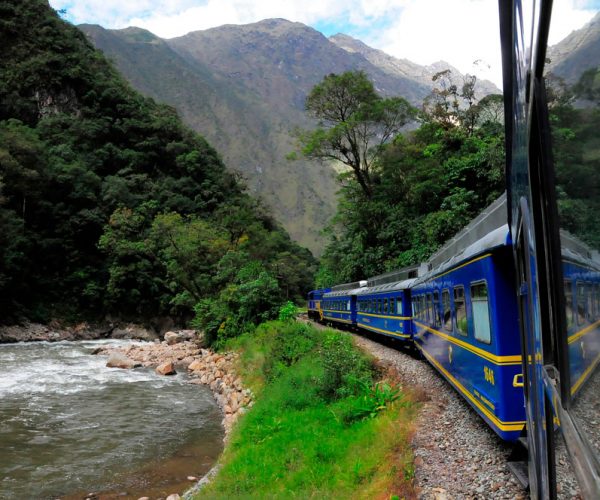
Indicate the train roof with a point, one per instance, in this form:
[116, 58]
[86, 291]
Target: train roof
[386, 287]
[572, 248]
[344, 292]
[497, 238]
[395, 276]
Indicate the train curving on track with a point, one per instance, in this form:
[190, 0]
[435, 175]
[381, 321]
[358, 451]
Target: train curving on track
[508, 311]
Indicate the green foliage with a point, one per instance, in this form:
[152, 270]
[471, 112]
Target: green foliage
[371, 401]
[576, 152]
[288, 311]
[354, 123]
[110, 205]
[426, 185]
[292, 439]
[345, 368]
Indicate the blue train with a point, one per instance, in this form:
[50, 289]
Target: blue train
[460, 310]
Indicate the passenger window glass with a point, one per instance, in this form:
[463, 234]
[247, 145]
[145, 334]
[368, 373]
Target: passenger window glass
[580, 304]
[436, 308]
[569, 304]
[460, 310]
[385, 306]
[415, 307]
[481, 313]
[429, 308]
[392, 306]
[447, 315]
[590, 301]
[399, 307]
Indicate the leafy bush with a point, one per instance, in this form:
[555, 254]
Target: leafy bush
[345, 368]
[372, 400]
[288, 346]
[288, 311]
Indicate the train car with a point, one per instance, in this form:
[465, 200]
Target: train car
[339, 305]
[315, 297]
[465, 320]
[555, 286]
[581, 275]
[386, 309]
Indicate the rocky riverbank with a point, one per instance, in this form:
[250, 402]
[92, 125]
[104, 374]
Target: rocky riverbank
[204, 366]
[55, 332]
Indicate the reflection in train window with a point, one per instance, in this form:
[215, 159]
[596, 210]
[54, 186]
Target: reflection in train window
[589, 288]
[447, 312]
[399, 306]
[580, 303]
[481, 312]
[429, 308]
[385, 306]
[569, 304]
[460, 310]
[436, 308]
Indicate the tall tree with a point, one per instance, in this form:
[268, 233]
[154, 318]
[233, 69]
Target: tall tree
[354, 123]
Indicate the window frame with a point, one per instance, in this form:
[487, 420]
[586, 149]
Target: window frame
[455, 310]
[446, 325]
[489, 310]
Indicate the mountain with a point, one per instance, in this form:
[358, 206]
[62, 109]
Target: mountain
[109, 204]
[243, 87]
[577, 52]
[404, 67]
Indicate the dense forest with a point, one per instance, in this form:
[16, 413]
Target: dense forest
[404, 193]
[109, 205]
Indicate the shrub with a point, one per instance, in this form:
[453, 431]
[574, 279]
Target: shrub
[288, 311]
[290, 343]
[345, 367]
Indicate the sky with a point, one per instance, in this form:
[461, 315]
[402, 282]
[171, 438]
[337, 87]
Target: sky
[464, 33]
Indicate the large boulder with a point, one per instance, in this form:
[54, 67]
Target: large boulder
[172, 338]
[118, 360]
[132, 331]
[166, 368]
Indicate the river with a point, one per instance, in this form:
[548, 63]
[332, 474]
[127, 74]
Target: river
[69, 426]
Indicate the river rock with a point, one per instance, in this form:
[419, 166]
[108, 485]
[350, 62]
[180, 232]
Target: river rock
[166, 368]
[174, 496]
[132, 331]
[172, 338]
[118, 360]
[196, 365]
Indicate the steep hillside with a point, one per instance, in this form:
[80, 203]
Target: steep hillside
[243, 87]
[108, 202]
[577, 52]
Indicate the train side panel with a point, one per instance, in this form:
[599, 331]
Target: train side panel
[465, 324]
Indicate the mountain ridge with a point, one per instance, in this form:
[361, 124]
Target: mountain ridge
[243, 87]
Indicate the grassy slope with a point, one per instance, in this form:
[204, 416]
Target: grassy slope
[300, 442]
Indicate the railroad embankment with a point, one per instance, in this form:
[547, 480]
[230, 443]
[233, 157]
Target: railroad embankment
[326, 421]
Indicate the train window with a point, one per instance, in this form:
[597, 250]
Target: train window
[422, 307]
[399, 307]
[590, 301]
[569, 303]
[481, 312]
[385, 306]
[348, 305]
[415, 307]
[436, 308]
[392, 305]
[460, 310]
[580, 303]
[447, 311]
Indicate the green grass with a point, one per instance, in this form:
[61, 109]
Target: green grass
[305, 438]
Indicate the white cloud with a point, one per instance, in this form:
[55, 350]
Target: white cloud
[424, 31]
